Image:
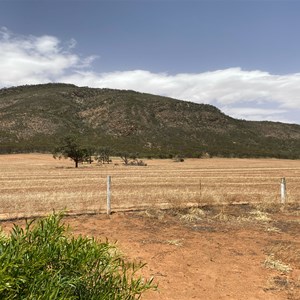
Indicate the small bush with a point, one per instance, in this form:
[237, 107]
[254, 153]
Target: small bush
[179, 158]
[43, 261]
[137, 162]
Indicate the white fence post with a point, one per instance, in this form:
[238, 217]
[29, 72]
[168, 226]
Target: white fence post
[108, 194]
[283, 190]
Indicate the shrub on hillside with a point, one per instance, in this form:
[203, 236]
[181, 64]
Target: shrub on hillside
[43, 261]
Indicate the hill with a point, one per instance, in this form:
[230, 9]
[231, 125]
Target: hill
[35, 118]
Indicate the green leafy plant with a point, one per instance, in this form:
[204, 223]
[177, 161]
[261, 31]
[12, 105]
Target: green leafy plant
[44, 261]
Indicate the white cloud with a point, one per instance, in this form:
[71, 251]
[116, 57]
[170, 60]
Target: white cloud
[230, 89]
[30, 60]
[4, 33]
[46, 44]
[223, 86]
[72, 43]
[256, 114]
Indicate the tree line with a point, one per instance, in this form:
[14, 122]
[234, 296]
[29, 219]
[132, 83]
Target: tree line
[70, 147]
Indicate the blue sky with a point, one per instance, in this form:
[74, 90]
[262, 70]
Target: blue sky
[241, 56]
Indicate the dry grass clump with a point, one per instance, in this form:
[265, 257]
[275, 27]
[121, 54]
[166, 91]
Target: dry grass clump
[154, 213]
[224, 215]
[285, 251]
[272, 263]
[271, 228]
[278, 283]
[284, 256]
[177, 242]
[193, 214]
[269, 206]
[260, 216]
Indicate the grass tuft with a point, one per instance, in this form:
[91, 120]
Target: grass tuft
[193, 214]
[260, 216]
[178, 242]
[272, 263]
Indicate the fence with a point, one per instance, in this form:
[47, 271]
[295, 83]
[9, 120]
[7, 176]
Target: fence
[39, 187]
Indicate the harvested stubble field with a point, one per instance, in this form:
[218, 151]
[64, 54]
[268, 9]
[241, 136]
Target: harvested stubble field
[218, 251]
[35, 184]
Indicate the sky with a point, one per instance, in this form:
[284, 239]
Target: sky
[242, 56]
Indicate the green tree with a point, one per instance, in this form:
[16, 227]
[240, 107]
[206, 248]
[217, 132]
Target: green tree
[127, 157]
[90, 152]
[103, 155]
[71, 148]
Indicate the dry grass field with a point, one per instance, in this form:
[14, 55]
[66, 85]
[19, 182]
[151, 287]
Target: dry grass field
[35, 184]
[216, 251]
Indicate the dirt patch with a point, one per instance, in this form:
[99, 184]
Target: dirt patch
[224, 253]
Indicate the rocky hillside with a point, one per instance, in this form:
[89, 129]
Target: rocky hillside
[35, 118]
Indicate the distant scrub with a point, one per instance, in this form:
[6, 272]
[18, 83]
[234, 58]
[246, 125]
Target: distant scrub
[43, 261]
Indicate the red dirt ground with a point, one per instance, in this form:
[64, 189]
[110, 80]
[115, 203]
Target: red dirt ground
[219, 257]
